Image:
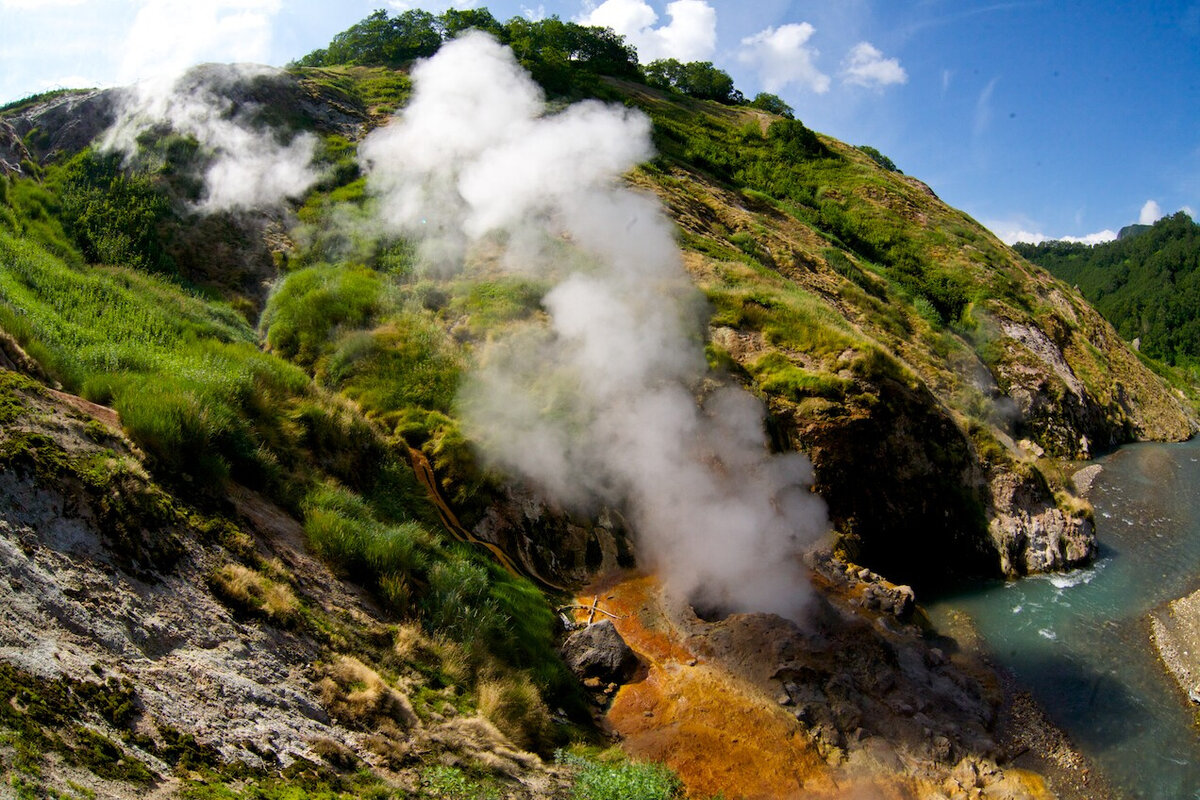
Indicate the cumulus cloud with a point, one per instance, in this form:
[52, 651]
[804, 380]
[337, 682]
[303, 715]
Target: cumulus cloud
[607, 404]
[1151, 213]
[865, 66]
[1010, 232]
[167, 36]
[691, 35]
[783, 57]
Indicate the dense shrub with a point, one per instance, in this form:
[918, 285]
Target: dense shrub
[311, 306]
[114, 215]
[699, 79]
[1147, 283]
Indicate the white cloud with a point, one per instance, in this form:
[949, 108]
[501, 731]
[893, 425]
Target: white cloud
[1151, 213]
[1100, 237]
[690, 36]
[1017, 230]
[983, 108]
[534, 13]
[865, 66]
[168, 36]
[38, 4]
[1189, 211]
[782, 57]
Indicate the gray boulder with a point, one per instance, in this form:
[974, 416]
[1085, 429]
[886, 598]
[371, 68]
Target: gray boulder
[599, 652]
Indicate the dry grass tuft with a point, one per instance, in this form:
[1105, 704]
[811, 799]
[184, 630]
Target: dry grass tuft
[255, 593]
[515, 706]
[334, 753]
[356, 694]
[479, 742]
[1074, 506]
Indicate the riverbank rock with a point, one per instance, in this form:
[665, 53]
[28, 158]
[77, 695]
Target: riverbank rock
[1175, 629]
[1031, 533]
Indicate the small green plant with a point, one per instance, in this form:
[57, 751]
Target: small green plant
[628, 780]
[451, 783]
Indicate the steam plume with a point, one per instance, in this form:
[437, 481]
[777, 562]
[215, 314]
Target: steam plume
[248, 167]
[601, 406]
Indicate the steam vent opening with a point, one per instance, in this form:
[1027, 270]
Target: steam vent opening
[708, 610]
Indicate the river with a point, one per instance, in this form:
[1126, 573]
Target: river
[1081, 642]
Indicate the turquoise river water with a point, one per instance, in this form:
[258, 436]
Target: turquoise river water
[1081, 642]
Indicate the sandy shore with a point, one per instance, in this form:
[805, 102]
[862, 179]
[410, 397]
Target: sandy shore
[1175, 629]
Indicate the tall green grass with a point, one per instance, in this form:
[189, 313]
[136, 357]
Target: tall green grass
[184, 374]
[455, 591]
[312, 305]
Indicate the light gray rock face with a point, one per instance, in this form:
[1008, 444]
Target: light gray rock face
[66, 607]
[1031, 533]
[81, 600]
[64, 124]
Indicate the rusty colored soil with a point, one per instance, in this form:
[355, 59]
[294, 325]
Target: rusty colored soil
[720, 735]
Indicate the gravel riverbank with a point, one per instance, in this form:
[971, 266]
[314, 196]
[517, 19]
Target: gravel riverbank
[1175, 629]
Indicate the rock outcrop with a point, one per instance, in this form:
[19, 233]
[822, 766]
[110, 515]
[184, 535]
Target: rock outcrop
[1031, 533]
[112, 594]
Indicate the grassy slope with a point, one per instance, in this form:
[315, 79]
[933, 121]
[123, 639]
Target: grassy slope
[877, 322]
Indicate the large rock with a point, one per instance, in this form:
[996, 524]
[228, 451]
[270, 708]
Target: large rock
[1031, 533]
[598, 651]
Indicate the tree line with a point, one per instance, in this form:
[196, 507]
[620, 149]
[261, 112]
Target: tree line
[566, 58]
[1146, 284]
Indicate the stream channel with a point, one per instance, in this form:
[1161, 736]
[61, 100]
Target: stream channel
[1081, 642]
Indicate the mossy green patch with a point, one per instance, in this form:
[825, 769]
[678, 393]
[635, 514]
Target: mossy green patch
[54, 715]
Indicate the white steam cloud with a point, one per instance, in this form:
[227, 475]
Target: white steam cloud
[248, 166]
[600, 406]
[1151, 213]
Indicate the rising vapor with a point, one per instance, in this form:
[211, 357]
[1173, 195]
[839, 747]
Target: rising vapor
[602, 406]
[248, 166]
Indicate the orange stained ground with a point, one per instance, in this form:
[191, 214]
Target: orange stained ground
[721, 735]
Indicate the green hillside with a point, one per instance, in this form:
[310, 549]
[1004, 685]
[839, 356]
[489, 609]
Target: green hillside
[309, 357]
[1146, 284]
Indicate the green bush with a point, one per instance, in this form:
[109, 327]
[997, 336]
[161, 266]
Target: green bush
[778, 376]
[113, 214]
[305, 313]
[407, 363]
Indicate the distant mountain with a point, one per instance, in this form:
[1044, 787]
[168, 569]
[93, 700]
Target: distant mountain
[1147, 283]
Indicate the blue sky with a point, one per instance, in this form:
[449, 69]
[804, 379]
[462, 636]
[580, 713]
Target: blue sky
[1047, 119]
